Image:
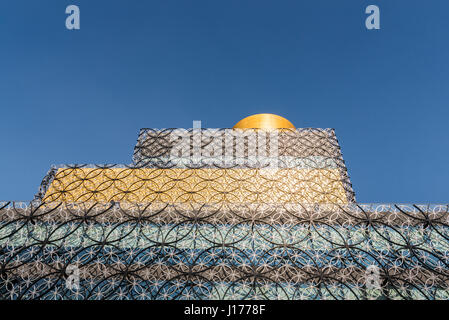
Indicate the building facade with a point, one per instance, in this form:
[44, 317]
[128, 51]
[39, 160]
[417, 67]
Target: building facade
[260, 211]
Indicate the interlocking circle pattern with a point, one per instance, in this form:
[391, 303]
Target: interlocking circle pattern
[219, 214]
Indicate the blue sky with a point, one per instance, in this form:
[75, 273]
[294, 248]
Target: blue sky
[81, 96]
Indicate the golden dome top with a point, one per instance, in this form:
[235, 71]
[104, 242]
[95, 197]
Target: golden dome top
[264, 121]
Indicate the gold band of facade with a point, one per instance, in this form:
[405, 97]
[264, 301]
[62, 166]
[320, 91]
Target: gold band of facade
[288, 185]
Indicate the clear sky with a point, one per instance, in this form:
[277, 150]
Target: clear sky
[81, 96]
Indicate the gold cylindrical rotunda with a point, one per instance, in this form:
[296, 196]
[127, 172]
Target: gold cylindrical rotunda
[264, 121]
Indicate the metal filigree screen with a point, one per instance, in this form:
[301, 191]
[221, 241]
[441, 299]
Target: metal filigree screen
[253, 251]
[220, 214]
[213, 166]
